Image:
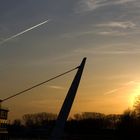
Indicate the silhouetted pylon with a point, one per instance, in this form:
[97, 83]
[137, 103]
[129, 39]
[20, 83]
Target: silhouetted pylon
[66, 107]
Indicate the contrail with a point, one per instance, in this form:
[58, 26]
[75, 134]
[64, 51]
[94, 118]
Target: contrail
[122, 87]
[29, 29]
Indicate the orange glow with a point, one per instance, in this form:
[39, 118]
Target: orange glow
[134, 94]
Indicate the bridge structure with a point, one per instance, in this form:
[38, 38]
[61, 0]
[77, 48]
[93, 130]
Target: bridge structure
[57, 132]
[3, 122]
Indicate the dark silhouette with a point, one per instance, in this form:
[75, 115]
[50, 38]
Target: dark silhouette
[66, 107]
[137, 105]
[3, 122]
[87, 125]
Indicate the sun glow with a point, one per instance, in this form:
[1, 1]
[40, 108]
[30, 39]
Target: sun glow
[134, 94]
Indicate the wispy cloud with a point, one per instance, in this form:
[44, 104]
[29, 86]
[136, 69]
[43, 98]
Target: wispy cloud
[115, 24]
[90, 5]
[56, 87]
[111, 33]
[104, 32]
[77, 34]
[117, 28]
[119, 88]
[111, 49]
[111, 28]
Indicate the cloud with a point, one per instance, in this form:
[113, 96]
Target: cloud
[111, 28]
[112, 33]
[115, 24]
[120, 88]
[90, 5]
[117, 28]
[113, 49]
[105, 32]
[77, 34]
[56, 87]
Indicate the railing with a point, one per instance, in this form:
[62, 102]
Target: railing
[3, 130]
[3, 108]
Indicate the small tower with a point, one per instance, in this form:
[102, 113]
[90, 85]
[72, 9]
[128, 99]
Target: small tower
[3, 122]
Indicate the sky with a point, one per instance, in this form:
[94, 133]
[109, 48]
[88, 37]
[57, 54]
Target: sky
[40, 39]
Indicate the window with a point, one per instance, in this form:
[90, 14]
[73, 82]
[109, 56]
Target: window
[3, 114]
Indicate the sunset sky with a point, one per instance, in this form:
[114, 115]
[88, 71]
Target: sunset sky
[107, 32]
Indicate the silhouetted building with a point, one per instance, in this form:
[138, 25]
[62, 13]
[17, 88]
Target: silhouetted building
[3, 123]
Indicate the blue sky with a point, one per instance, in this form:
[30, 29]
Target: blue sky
[105, 31]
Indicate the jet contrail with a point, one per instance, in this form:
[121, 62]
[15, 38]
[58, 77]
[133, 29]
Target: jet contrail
[122, 87]
[29, 29]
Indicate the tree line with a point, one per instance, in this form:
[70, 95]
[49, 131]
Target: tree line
[86, 123]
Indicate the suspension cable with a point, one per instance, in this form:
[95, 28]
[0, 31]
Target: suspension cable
[19, 93]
